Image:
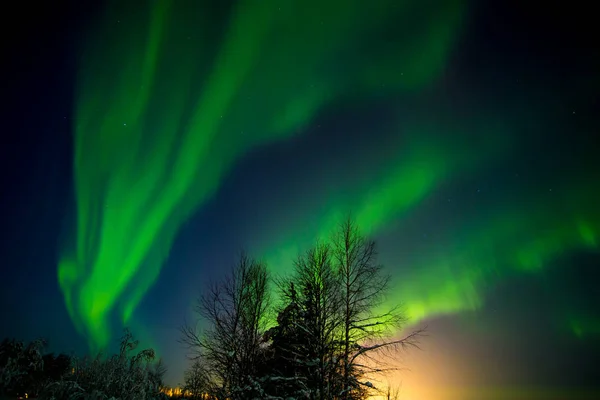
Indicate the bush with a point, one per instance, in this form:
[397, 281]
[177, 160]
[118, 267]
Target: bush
[20, 364]
[128, 375]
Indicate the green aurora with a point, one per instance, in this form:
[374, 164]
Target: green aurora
[450, 273]
[167, 101]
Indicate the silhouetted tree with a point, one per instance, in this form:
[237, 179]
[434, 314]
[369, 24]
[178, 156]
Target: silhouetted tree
[286, 375]
[392, 392]
[367, 328]
[318, 322]
[196, 380]
[334, 329]
[234, 313]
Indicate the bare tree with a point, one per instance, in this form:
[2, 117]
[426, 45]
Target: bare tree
[233, 312]
[366, 326]
[393, 393]
[196, 380]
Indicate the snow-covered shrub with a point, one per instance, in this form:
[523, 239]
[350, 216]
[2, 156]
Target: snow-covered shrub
[19, 366]
[128, 375]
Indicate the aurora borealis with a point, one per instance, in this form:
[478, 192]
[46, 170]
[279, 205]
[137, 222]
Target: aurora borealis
[461, 136]
[151, 146]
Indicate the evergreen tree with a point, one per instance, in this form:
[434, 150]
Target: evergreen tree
[318, 294]
[287, 375]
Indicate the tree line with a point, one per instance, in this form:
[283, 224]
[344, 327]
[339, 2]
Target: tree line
[324, 331]
[330, 335]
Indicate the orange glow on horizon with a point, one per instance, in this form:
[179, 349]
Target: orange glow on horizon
[439, 371]
[177, 391]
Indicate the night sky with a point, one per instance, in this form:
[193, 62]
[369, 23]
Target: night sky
[143, 146]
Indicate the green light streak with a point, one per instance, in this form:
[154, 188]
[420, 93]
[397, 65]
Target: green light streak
[429, 156]
[167, 101]
[452, 273]
[583, 327]
[454, 279]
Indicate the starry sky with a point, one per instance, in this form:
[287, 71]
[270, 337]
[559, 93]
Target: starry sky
[145, 143]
